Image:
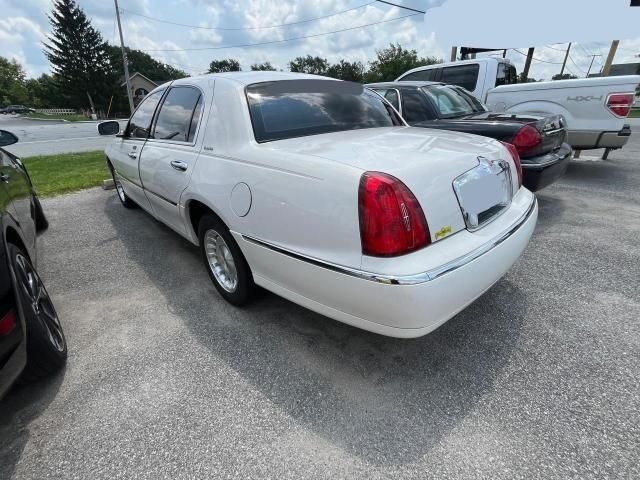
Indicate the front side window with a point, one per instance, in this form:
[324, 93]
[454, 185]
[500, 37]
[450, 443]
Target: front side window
[176, 117]
[506, 74]
[140, 122]
[391, 95]
[298, 108]
[465, 76]
[451, 102]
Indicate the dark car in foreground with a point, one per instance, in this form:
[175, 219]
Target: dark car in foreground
[539, 139]
[32, 342]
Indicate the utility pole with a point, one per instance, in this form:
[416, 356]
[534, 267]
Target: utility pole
[454, 53]
[527, 64]
[593, 57]
[564, 63]
[124, 59]
[609, 61]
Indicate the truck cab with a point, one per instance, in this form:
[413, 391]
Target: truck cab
[478, 75]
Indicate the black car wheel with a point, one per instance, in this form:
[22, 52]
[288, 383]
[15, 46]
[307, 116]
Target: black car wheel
[46, 343]
[122, 195]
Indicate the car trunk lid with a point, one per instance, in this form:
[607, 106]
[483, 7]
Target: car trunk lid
[427, 161]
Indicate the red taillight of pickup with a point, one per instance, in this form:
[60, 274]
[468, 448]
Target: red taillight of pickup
[526, 139]
[516, 159]
[392, 222]
[620, 104]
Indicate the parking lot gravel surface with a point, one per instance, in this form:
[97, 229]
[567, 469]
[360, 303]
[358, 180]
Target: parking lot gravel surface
[536, 379]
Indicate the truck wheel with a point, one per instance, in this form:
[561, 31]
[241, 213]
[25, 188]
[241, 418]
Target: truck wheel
[46, 343]
[124, 199]
[225, 263]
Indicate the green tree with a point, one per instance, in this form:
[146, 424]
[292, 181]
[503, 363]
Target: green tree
[564, 76]
[12, 83]
[309, 64]
[352, 71]
[522, 79]
[263, 67]
[393, 61]
[143, 63]
[78, 56]
[44, 92]
[227, 65]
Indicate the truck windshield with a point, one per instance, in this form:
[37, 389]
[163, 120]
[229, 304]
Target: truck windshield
[298, 108]
[452, 102]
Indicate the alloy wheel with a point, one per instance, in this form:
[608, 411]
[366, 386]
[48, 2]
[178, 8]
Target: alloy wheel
[221, 261]
[36, 298]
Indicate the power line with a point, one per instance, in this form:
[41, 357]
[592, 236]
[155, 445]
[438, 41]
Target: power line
[536, 59]
[576, 65]
[556, 49]
[242, 45]
[402, 6]
[244, 28]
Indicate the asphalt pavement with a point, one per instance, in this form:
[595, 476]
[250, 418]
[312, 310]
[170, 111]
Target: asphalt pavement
[536, 379]
[47, 137]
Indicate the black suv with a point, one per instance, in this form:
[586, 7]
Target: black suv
[31, 337]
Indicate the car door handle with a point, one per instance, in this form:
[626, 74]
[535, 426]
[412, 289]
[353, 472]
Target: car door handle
[178, 165]
[132, 155]
[4, 177]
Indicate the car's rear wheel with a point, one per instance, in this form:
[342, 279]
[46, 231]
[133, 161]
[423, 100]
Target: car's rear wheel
[46, 343]
[122, 195]
[225, 263]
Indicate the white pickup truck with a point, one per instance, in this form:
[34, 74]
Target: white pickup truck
[594, 109]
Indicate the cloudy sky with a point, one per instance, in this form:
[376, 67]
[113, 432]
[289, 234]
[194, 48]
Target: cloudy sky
[213, 25]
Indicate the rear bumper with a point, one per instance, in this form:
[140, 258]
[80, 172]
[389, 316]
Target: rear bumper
[404, 306]
[586, 140]
[540, 172]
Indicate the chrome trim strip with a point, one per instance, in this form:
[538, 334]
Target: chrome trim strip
[402, 279]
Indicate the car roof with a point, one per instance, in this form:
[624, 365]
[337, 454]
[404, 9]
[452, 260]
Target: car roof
[247, 78]
[415, 84]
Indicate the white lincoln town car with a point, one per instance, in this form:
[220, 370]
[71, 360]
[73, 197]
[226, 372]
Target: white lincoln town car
[317, 190]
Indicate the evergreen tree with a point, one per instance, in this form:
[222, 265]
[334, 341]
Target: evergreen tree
[78, 57]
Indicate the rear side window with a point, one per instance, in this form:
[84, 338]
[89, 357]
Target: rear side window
[298, 108]
[177, 119]
[465, 76]
[421, 75]
[140, 123]
[414, 107]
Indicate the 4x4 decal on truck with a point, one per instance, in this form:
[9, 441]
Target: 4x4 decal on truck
[580, 98]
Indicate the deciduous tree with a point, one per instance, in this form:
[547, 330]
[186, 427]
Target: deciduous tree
[227, 65]
[351, 71]
[393, 61]
[309, 64]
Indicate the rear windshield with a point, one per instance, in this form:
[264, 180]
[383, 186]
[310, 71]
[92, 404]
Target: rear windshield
[452, 102]
[298, 108]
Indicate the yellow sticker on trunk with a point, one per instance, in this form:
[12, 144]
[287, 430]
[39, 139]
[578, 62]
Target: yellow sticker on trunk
[443, 232]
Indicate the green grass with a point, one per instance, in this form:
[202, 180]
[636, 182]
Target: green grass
[70, 118]
[635, 113]
[56, 174]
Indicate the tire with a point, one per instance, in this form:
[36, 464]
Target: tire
[46, 343]
[222, 256]
[124, 199]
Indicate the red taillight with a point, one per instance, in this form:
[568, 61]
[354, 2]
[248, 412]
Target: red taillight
[391, 219]
[7, 323]
[526, 139]
[516, 159]
[620, 103]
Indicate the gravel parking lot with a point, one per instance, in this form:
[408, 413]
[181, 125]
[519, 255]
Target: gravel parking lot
[536, 379]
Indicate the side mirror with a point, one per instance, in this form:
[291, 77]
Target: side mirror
[111, 127]
[7, 138]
